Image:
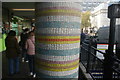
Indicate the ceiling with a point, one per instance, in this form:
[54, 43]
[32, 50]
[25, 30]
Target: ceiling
[21, 5]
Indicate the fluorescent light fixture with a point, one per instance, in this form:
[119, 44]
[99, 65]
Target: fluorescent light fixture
[33, 19]
[23, 9]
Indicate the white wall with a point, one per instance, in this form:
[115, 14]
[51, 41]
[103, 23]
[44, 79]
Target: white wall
[99, 16]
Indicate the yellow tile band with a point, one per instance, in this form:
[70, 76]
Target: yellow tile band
[57, 70]
[62, 42]
[60, 65]
[57, 37]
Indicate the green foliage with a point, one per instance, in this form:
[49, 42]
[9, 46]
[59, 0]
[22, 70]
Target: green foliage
[85, 22]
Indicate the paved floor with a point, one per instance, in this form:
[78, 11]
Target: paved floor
[24, 70]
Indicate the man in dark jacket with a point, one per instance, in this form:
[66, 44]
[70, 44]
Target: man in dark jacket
[12, 52]
[83, 36]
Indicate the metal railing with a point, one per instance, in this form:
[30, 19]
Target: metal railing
[116, 68]
[94, 65]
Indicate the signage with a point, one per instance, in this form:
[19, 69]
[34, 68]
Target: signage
[102, 47]
[114, 11]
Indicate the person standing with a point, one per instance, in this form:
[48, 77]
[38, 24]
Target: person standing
[24, 37]
[12, 52]
[30, 47]
[83, 36]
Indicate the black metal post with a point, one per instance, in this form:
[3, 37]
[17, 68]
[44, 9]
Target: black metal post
[117, 51]
[88, 56]
[108, 61]
[112, 34]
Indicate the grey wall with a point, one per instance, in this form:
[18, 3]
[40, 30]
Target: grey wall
[103, 34]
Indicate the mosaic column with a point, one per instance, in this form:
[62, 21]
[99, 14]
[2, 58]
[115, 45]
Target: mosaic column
[57, 39]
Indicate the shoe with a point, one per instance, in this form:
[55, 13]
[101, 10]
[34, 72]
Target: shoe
[23, 60]
[34, 75]
[31, 73]
[26, 61]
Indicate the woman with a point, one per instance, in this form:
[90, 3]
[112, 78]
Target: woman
[24, 37]
[12, 52]
[30, 46]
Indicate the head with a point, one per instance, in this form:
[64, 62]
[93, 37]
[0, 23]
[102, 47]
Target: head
[12, 33]
[81, 30]
[26, 30]
[86, 31]
[31, 33]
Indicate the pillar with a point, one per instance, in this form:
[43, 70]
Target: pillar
[1, 40]
[57, 39]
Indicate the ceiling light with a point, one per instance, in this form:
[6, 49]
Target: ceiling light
[23, 9]
[33, 19]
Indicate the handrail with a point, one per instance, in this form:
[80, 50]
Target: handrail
[94, 48]
[97, 57]
[97, 50]
[89, 51]
[89, 47]
[92, 54]
[85, 43]
[116, 59]
[116, 70]
[84, 48]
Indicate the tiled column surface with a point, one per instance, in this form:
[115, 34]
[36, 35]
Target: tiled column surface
[57, 39]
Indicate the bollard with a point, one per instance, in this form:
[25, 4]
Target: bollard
[88, 56]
